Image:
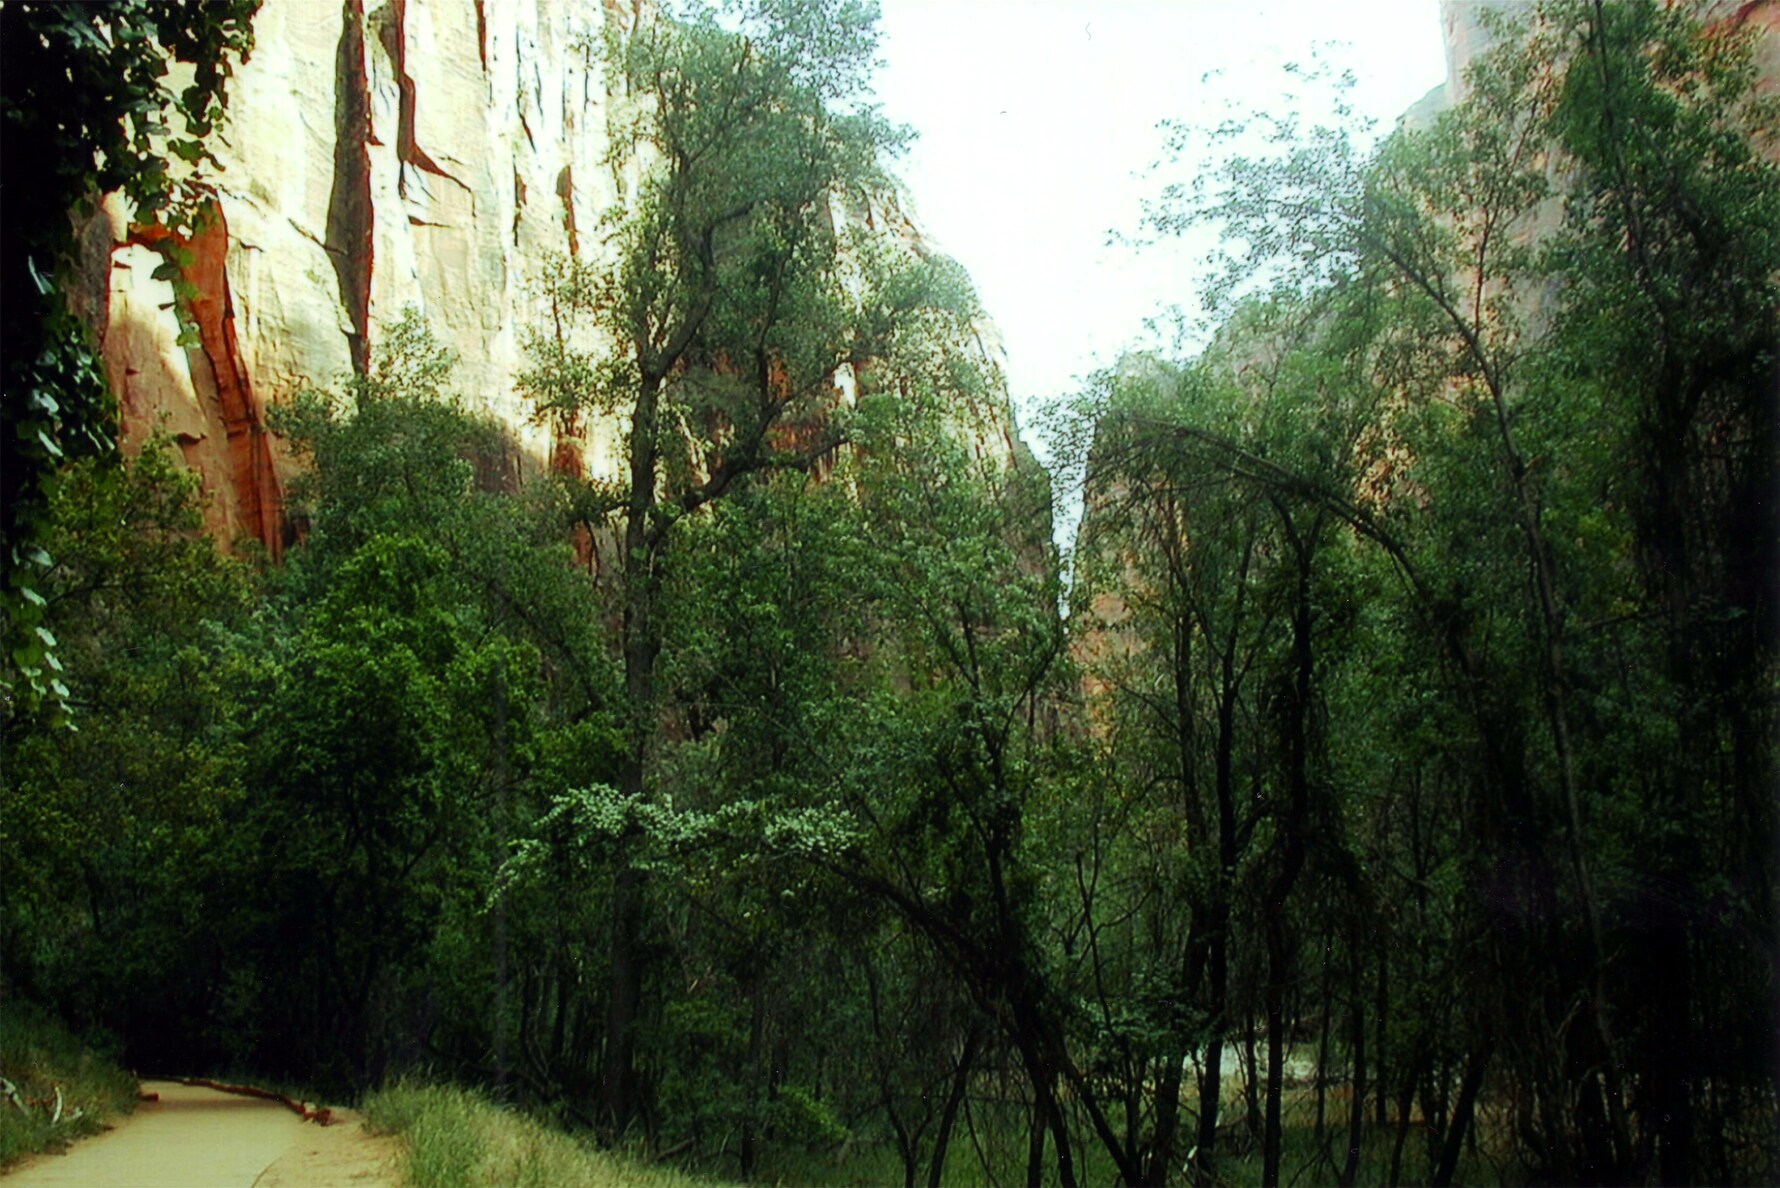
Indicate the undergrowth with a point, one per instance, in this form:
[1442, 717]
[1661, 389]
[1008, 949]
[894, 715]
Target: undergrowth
[38, 1058]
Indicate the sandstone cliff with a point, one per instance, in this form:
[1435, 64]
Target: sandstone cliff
[379, 155]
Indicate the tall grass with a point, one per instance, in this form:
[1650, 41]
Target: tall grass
[39, 1057]
[457, 1138]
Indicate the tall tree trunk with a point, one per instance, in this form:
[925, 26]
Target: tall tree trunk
[1462, 1113]
[1356, 1113]
[1211, 1085]
[624, 996]
[1211, 1078]
[1296, 729]
[1412, 1075]
[954, 1098]
[1322, 1045]
[1669, 1057]
[1378, 1058]
[1276, 978]
[1167, 1121]
[1035, 1140]
[1053, 1113]
[1673, 1060]
[752, 1092]
[641, 647]
[1251, 1077]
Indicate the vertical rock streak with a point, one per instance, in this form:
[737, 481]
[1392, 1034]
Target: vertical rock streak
[351, 213]
[392, 31]
[250, 458]
[565, 189]
[252, 478]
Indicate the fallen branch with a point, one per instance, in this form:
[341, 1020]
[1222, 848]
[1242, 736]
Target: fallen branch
[320, 1115]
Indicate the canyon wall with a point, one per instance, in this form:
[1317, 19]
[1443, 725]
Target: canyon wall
[1463, 28]
[379, 154]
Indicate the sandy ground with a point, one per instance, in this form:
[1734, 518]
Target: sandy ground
[200, 1138]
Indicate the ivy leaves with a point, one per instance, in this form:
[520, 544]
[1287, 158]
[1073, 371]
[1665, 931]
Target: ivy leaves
[87, 100]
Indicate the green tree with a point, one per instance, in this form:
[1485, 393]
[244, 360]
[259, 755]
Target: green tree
[1215, 589]
[420, 699]
[717, 329]
[116, 833]
[1533, 448]
[379, 752]
[948, 771]
[1673, 238]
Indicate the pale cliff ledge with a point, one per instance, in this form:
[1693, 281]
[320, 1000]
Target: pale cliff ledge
[425, 153]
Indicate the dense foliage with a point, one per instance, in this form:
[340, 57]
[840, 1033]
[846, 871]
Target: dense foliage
[1445, 580]
[1394, 803]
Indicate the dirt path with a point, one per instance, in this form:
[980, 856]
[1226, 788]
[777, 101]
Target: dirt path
[200, 1138]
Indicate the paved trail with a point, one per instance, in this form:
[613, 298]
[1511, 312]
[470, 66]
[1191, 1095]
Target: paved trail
[200, 1138]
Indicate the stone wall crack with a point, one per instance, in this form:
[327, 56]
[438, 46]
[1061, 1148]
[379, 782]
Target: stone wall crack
[351, 213]
[392, 31]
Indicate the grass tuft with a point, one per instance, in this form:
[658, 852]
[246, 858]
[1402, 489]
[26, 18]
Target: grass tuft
[38, 1057]
[457, 1138]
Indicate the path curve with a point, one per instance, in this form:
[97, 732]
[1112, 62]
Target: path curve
[195, 1137]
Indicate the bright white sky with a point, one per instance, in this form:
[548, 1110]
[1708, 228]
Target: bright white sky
[1037, 123]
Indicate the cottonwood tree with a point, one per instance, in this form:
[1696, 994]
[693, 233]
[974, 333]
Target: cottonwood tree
[430, 656]
[1214, 579]
[714, 326]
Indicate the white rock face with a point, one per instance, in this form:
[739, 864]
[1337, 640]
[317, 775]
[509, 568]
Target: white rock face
[431, 153]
